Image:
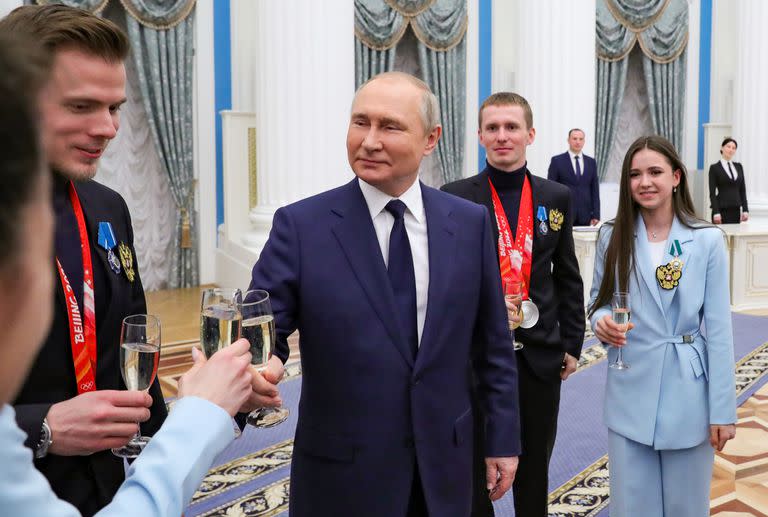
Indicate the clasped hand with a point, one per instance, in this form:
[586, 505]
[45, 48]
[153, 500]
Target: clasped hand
[499, 475]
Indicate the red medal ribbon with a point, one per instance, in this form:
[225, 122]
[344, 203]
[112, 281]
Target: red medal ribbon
[515, 257]
[82, 331]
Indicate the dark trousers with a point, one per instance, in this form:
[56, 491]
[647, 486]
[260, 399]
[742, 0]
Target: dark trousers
[730, 215]
[539, 405]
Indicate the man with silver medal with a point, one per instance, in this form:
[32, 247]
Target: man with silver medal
[543, 289]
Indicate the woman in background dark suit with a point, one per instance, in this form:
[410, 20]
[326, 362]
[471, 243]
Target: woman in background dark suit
[727, 190]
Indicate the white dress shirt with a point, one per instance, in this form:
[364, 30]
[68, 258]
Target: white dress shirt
[657, 250]
[573, 161]
[728, 171]
[415, 224]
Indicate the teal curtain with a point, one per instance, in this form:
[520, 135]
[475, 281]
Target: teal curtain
[660, 27]
[611, 79]
[664, 62]
[440, 27]
[93, 6]
[164, 60]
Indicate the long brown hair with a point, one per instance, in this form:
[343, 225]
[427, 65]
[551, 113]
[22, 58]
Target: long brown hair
[620, 255]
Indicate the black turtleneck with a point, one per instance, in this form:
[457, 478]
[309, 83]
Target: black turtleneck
[509, 186]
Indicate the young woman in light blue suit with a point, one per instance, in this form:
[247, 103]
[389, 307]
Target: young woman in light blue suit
[676, 402]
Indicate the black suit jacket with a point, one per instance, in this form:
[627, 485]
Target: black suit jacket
[91, 481]
[723, 191]
[556, 285]
[585, 189]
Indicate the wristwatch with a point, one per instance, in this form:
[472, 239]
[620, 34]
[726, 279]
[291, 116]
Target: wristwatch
[46, 439]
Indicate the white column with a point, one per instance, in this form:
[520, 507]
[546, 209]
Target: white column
[296, 59]
[750, 102]
[305, 62]
[554, 70]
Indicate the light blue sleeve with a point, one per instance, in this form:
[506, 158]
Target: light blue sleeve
[717, 320]
[161, 482]
[597, 278]
[164, 477]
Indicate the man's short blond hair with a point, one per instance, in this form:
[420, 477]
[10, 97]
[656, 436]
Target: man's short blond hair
[506, 99]
[430, 108]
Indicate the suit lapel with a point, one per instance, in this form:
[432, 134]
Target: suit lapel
[357, 238]
[99, 259]
[644, 264]
[684, 236]
[441, 237]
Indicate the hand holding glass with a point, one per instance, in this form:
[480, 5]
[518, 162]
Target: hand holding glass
[139, 357]
[259, 330]
[513, 294]
[620, 314]
[220, 322]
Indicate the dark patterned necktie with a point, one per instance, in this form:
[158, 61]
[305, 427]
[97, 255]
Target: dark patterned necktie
[401, 274]
[730, 170]
[578, 167]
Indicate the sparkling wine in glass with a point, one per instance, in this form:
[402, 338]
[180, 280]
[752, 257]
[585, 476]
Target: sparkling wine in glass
[513, 292]
[259, 330]
[220, 319]
[139, 357]
[220, 323]
[620, 313]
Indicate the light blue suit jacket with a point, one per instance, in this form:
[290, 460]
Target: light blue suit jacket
[673, 390]
[160, 482]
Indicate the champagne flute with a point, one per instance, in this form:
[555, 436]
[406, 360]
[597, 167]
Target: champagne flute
[220, 319]
[259, 330]
[620, 314]
[139, 357]
[513, 292]
[220, 322]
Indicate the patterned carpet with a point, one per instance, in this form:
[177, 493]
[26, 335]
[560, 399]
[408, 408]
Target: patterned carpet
[251, 476]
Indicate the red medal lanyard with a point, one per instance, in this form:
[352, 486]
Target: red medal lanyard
[82, 333]
[515, 258]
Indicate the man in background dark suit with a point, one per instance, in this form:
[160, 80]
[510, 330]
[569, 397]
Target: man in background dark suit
[552, 346]
[578, 171]
[73, 405]
[727, 188]
[392, 286]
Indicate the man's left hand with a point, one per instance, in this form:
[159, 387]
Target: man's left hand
[264, 391]
[593, 222]
[569, 366]
[499, 475]
[745, 217]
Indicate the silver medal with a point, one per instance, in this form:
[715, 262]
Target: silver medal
[530, 314]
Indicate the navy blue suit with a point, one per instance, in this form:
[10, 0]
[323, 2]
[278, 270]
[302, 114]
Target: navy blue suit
[369, 411]
[585, 189]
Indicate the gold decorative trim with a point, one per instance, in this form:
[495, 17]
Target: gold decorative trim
[266, 502]
[408, 20]
[244, 469]
[96, 10]
[619, 18]
[394, 40]
[664, 61]
[423, 38]
[253, 186]
[130, 9]
[405, 12]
